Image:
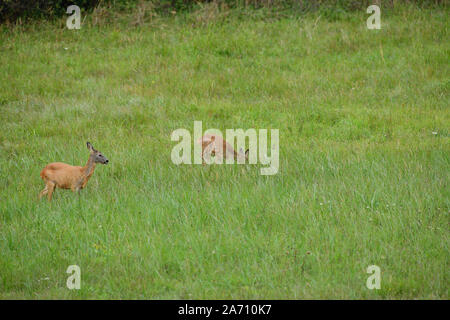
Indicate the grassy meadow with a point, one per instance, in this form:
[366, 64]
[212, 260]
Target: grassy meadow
[364, 157]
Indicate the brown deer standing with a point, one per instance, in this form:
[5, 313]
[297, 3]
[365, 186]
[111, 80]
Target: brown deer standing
[65, 176]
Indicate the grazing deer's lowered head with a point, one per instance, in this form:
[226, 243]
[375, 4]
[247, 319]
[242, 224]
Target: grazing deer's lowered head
[214, 145]
[65, 176]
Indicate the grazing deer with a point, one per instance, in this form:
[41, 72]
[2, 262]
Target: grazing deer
[65, 176]
[214, 145]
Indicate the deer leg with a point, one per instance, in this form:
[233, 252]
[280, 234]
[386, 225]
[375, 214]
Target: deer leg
[43, 192]
[206, 157]
[77, 186]
[51, 187]
[203, 159]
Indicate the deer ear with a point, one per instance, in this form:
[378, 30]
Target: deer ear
[89, 146]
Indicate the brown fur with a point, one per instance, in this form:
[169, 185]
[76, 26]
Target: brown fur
[216, 145]
[64, 176]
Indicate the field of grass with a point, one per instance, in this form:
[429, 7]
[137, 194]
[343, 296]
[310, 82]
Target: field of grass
[364, 158]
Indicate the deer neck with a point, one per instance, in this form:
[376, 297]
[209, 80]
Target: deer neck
[89, 168]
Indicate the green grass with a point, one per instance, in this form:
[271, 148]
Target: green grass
[362, 179]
